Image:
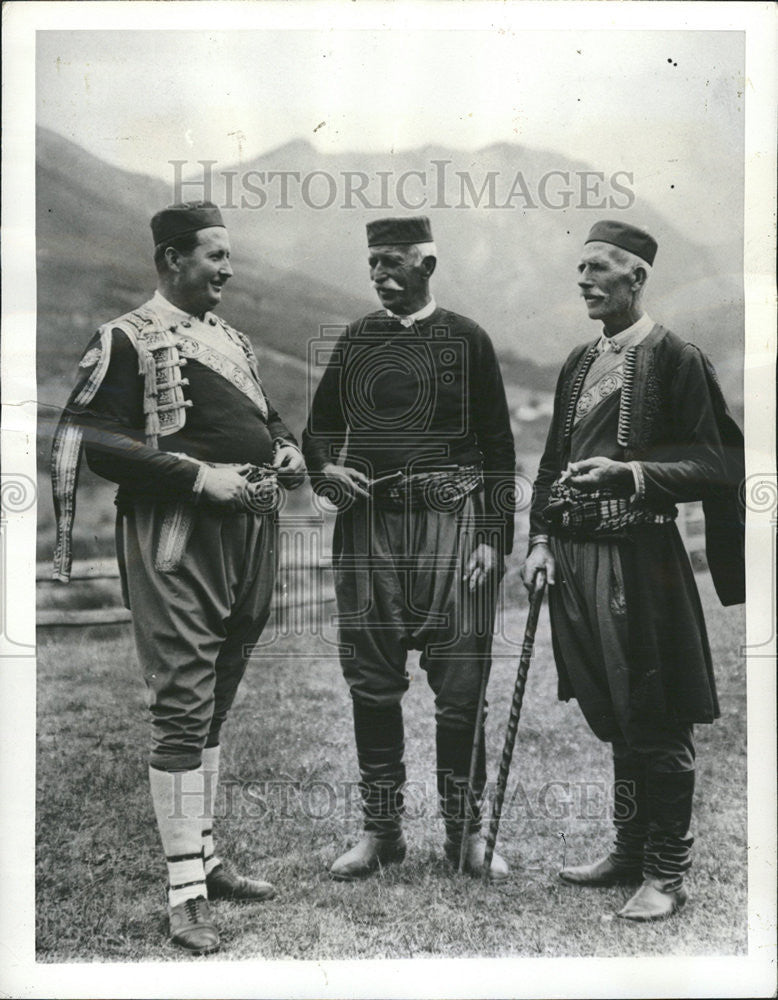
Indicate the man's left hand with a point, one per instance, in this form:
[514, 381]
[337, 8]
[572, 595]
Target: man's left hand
[290, 465]
[593, 473]
[481, 563]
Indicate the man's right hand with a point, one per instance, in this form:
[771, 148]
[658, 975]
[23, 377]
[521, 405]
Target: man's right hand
[225, 486]
[540, 558]
[351, 482]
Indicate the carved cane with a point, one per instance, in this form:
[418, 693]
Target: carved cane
[535, 601]
[477, 736]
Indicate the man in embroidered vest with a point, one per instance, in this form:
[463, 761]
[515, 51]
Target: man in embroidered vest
[197, 458]
[639, 425]
[426, 516]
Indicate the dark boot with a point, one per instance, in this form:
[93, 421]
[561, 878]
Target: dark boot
[454, 748]
[223, 883]
[367, 856]
[380, 747]
[669, 796]
[630, 820]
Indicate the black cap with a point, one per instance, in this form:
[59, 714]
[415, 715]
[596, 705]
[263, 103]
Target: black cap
[395, 232]
[186, 217]
[621, 234]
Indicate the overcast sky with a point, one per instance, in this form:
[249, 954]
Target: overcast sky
[666, 106]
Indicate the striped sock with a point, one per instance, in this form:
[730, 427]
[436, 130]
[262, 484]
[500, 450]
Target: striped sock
[186, 877]
[210, 767]
[178, 805]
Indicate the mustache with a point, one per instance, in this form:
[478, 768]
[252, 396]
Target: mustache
[392, 286]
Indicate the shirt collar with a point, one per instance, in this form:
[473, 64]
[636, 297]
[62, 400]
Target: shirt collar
[170, 314]
[423, 313]
[626, 338]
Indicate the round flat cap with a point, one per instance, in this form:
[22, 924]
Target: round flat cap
[386, 232]
[186, 217]
[621, 234]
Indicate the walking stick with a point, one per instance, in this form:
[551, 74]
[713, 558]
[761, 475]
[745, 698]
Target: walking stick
[477, 735]
[536, 599]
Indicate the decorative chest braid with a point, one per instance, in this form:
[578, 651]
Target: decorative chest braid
[162, 353]
[575, 393]
[625, 405]
[164, 410]
[574, 512]
[160, 363]
[627, 379]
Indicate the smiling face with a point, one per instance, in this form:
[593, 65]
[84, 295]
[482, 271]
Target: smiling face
[400, 277]
[610, 286]
[199, 276]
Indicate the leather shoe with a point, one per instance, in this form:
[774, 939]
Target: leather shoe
[192, 928]
[224, 884]
[370, 854]
[474, 857]
[603, 872]
[651, 902]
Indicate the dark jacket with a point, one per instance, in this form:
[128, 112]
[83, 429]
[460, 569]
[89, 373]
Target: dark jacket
[402, 399]
[674, 420]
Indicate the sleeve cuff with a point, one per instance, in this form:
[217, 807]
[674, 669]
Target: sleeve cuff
[284, 443]
[639, 480]
[537, 540]
[197, 487]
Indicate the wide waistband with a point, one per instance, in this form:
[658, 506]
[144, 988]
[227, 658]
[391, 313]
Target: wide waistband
[259, 496]
[261, 493]
[444, 489]
[599, 512]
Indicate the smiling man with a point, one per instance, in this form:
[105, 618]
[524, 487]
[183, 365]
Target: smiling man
[170, 407]
[639, 425]
[424, 488]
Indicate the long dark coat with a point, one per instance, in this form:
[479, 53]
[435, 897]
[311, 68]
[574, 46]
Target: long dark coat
[672, 419]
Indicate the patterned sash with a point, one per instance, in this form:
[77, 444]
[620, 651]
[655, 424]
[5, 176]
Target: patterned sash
[442, 490]
[598, 513]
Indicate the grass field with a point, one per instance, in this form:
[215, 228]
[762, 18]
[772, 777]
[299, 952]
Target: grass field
[290, 805]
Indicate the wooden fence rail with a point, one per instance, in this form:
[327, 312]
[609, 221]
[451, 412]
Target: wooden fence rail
[305, 568]
[308, 586]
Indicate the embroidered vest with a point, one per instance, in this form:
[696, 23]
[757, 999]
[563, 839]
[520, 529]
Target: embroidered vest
[644, 420]
[639, 404]
[162, 353]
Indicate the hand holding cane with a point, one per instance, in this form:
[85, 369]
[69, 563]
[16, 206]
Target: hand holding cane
[485, 598]
[513, 721]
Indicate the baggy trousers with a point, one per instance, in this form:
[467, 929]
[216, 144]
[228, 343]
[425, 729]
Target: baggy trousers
[653, 762]
[195, 627]
[398, 583]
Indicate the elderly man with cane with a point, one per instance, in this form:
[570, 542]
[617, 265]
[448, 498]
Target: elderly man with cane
[170, 406]
[425, 491]
[639, 425]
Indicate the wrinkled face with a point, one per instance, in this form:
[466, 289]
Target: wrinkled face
[606, 284]
[400, 280]
[204, 272]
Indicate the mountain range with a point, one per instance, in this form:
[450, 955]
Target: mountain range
[300, 259]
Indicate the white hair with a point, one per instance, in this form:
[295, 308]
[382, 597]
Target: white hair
[630, 259]
[422, 250]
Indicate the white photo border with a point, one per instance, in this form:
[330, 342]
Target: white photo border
[751, 975]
